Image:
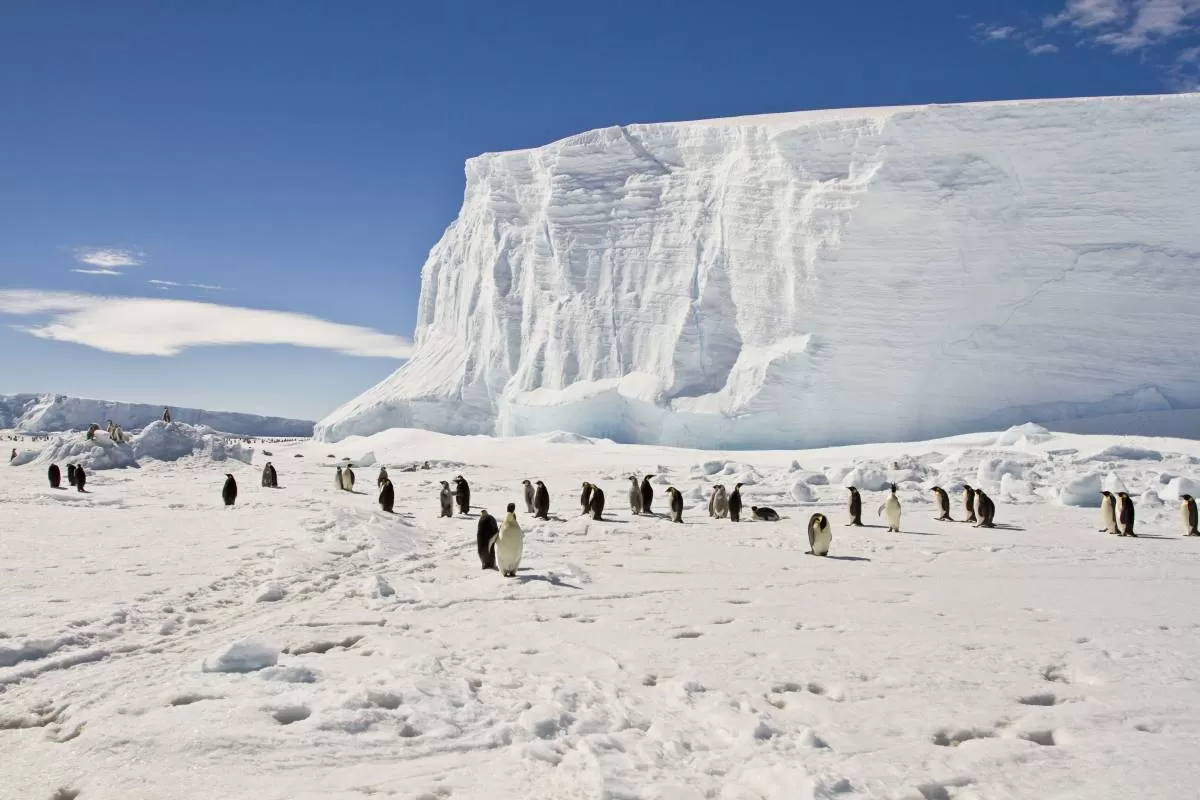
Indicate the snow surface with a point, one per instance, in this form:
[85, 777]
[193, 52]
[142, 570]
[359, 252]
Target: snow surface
[49, 413]
[305, 645]
[814, 278]
[159, 441]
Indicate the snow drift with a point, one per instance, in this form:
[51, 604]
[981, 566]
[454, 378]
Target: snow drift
[160, 441]
[814, 278]
[50, 413]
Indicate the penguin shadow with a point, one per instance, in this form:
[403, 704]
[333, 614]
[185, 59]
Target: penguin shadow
[841, 558]
[1146, 536]
[552, 580]
[1007, 528]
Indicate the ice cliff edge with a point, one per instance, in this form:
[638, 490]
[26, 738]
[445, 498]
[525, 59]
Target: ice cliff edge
[814, 278]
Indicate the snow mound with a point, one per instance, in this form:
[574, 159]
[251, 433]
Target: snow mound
[561, 297]
[267, 593]
[97, 453]
[1119, 452]
[802, 493]
[1082, 492]
[993, 470]
[868, 478]
[246, 655]
[171, 441]
[1114, 484]
[1178, 487]
[565, 437]
[1019, 435]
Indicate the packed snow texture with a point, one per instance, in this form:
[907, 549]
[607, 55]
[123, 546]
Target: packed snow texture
[814, 278]
[304, 644]
[50, 413]
[160, 441]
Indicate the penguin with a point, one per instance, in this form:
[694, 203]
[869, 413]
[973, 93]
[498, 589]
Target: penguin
[1108, 513]
[676, 504]
[735, 503]
[985, 509]
[943, 504]
[855, 507]
[166, 417]
[383, 477]
[71, 474]
[338, 479]
[529, 495]
[80, 477]
[596, 502]
[1187, 512]
[447, 499]
[1125, 514]
[635, 496]
[509, 543]
[462, 494]
[819, 535]
[268, 476]
[541, 502]
[387, 496]
[54, 475]
[647, 494]
[348, 479]
[585, 498]
[229, 490]
[764, 513]
[969, 503]
[718, 503]
[892, 507]
[485, 539]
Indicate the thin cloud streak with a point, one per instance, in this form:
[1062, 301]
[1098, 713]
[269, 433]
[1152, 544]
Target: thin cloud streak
[107, 257]
[173, 284]
[165, 327]
[97, 272]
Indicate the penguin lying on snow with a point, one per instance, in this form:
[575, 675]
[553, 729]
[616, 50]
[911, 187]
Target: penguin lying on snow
[764, 513]
[819, 535]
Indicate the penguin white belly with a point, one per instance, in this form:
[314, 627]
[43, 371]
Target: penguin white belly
[1185, 515]
[508, 548]
[821, 539]
[1108, 514]
[891, 508]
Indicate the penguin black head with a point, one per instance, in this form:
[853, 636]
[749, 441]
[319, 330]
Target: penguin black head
[512, 508]
[228, 474]
[539, 483]
[852, 490]
[893, 488]
[1123, 495]
[458, 478]
[525, 482]
[737, 486]
[648, 477]
[1187, 498]
[935, 489]
[483, 513]
[967, 487]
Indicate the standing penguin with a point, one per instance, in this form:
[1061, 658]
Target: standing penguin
[596, 502]
[529, 496]
[229, 490]
[735, 503]
[462, 494]
[383, 476]
[676, 504]
[80, 477]
[585, 498]
[718, 503]
[635, 496]
[387, 496]
[1125, 514]
[485, 539]
[647, 494]
[969, 503]
[166, 415]
[819, 535]
[348, 479]
[892, 507]
[268, 477]
[509, 543]
[338, 481]
[855, 507]
[447, 499]
[541, 502]
[1187, 512]
[1108, 513]
[985, 509]
[71, 474]
[54, 475]
[943, 504]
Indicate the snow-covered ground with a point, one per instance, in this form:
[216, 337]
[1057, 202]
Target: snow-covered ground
[303, 644]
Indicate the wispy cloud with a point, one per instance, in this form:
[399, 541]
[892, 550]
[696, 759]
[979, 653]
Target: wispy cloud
[1090, 14]
[998, 32]
[1041, 49]
[173, 284]
[107, 260]
[97, 272]
[165, 327]
[1010, 33]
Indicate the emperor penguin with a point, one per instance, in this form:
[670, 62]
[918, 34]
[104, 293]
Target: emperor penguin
[635, 496]
[735, 503]
[676, 504]
[1125, 514]
[1187, 513]
[855, 507]
[383, 476]
[80, 478]
[985, 509]
[892, 507]
[541, 502]
[764, 513]
[338, 480]
[71, 474]
[447, 499]
[1108, 513]
[647, 494]
[485, 539]
[509, 543]
[267, 476]
[348, 479]
[387, 496]
[54, 475]
[462, 494]
[528, 496]
[585, 498]
[718, 503]
[819, 535]
[943, 504]
[229, 490]
[596, 502]
[969, 503]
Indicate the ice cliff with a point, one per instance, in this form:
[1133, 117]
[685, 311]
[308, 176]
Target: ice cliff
[815, 278]
[47, 413]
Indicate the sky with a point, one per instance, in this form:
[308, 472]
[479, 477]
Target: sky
[226, 205]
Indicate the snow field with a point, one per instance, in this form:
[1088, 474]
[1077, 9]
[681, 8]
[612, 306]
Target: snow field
[303, 644]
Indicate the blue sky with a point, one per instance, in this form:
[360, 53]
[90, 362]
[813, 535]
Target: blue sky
[305, 156]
